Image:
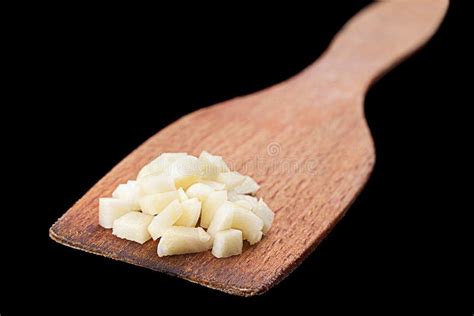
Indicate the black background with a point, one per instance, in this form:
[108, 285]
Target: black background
[94, 86]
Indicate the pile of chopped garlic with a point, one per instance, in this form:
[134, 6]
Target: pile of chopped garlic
[177, 196]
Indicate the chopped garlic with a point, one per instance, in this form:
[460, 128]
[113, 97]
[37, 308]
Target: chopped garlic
[222, 219]
[248, 186]
[227, 243]
[152, 184]
[212, 165]
[160, 164]
[110, 209]
[155, 203]
[200, 191]
[250, 224]
[163, 221]
[185, 171]
[213, 202]
[133, 226]
[130, 192]
[266, 215]
[181, 240]
[231, 179]
[176, 192]
[191, 213]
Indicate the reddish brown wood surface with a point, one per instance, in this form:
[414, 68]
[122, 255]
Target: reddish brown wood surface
[305, 141]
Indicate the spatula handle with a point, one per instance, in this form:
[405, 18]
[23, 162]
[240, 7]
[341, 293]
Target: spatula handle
[378, 38]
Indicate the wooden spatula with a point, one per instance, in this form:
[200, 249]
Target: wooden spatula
[305, 141]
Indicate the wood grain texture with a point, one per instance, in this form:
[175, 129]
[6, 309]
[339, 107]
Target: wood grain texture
[305, 141]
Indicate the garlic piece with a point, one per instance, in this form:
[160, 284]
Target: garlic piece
[200, 191]
[133, 226]
[165, 219]
[250, 224]
[248, 186]
[111, 208]
[222, 219]
[227, 243]
[160, 164]
[153, 184]
[130, 192]
[191, 213]
[181, 240]
[265, 214]
[185, 171]
[155, 203]
[213, 202]
[212, 165]
[231, 179]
